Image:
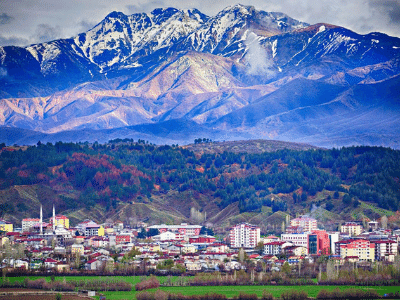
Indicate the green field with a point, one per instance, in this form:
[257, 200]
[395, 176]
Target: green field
[229, 291]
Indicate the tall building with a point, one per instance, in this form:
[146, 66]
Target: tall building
[244, 236]
[319, 243]
[306, 223]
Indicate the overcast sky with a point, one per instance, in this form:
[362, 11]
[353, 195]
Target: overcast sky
[24, 22]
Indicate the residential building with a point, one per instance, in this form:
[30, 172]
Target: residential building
[28, 224]
[271, 238]
[362, 249]
[6, 226]
[244, 236]
[385, 250]
[118, 239]
[307, 223]
[184, 229]
[275, 248]
[298, 239]
[202, 239]
[351, 228]
[99, 242]
[295, 251]
[218, 247]
[165, 236]
[90, 228]
[78, 248]
[60, 219]
[333, 238]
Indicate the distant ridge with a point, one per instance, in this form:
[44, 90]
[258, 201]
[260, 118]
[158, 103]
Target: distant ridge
[242, 74]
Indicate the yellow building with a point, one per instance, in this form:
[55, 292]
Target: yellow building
[4, 240]
[101, 231]
[60, 219]
[148, 247]
[351, 228]
[6, 226]
[77, 248]
[189, 248]
[361, 250]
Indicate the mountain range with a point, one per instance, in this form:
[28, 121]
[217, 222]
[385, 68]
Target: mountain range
[175, 75]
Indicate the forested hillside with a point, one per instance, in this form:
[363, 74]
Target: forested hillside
[140, 181]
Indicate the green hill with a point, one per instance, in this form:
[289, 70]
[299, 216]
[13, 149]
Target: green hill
[215, 184]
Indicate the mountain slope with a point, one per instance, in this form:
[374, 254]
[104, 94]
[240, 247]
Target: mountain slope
[243, 73]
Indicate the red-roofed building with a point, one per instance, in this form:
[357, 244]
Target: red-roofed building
[275, 248]
[363, 249]
[50, 263]
[201, 239]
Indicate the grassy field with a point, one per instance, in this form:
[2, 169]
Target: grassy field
[229, 291]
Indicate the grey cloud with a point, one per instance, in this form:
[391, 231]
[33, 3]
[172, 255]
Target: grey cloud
[85, 25]
[392, 8]
[13, 41]
[5, 19]
[145, 7]
[46, 33]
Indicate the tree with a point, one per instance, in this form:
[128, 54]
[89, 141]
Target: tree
[346, 199]
[260, 247]
[286, 268]
[384, 222]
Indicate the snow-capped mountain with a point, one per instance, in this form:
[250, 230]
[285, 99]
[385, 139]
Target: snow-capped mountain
[243, 72]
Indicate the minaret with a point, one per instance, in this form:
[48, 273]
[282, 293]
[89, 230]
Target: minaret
[41, 219]
[54, 218]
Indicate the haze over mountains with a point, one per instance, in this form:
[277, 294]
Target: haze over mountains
[175, 75]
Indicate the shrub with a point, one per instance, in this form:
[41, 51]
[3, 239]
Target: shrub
[267, 296]
[294, 295]
[150, 283]
[244, 296]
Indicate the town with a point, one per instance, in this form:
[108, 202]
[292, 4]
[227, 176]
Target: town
[55, 246]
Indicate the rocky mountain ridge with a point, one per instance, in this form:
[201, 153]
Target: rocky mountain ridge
[240, 74]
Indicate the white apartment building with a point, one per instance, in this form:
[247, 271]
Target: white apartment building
[297, 239]
[308, 224]
[385, 250]
[244, 236]
[27, 224]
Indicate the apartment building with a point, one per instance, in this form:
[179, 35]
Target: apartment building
[306, 223]
[244, 236]
[351, 228]
[361, 249]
